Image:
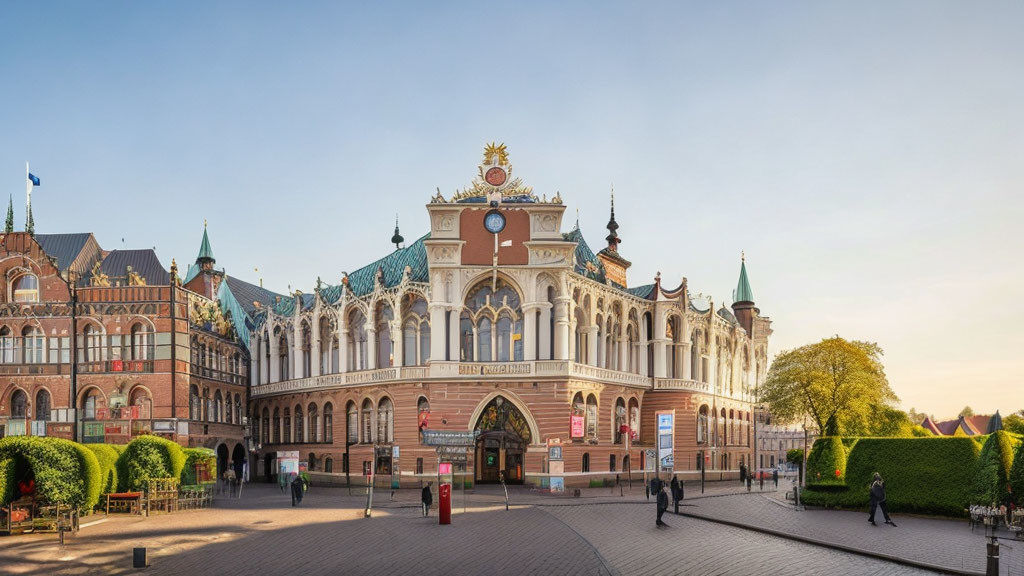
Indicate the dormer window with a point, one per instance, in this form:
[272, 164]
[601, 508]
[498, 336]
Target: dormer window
[25, 288]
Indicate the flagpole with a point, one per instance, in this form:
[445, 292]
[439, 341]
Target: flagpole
[28, 189]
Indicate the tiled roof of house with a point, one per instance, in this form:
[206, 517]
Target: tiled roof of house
[143, 262]
[65, 248]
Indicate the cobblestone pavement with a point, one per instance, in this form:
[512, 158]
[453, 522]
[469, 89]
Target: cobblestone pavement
[595, 534]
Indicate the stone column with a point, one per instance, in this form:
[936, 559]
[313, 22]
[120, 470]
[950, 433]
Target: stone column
[438, 332]
[343, 342]
[314, 348]
[592, 345]
[398, 344]
[544, 331]
[687, 367]
[297, 371]
[371, 347]
[562, 337]
[530, 331]
[274, 375]
[453, 335]
[660, 343]
[623, 342]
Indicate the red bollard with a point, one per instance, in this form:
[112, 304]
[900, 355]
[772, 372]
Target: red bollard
[444, 504]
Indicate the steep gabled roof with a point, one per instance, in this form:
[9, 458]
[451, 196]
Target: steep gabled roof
[414, 256]
[143, 262]
[584, 256]
[247, 294]
[743, 291]
[65, 248]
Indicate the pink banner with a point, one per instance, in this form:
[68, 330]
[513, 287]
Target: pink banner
[576, 426]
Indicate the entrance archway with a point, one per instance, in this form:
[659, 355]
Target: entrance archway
[238, 460]
[501, 447]
[222, 460]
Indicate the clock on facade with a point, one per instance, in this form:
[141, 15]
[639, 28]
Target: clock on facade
[495, 176]
[494, 221]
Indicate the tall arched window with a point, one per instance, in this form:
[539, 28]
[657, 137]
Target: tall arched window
[218, 407]
[282, 351]
[238, 410]
[307, 360]
[92, 344]
[702, 425]
[579, 410]
[634, 419]
[314, 422]
[19, 404]
[591, 421]
[586, 462]
[194, 407]
[6, 346]
[367, 417]
[423, 414]
[620, 420]
[300, 430]
[385, 347]
[265, 436]
[33, 345]
[385, 421]
[89, 402]
[493, 319]
[141, 342]
[287, 428]
[416, 335]
[42, 405]
[276, 432]
[25, 288]
[328, 424]
[351, 423]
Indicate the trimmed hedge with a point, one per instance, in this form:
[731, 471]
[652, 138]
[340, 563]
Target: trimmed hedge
[994, 467]
[107, 456]
[194, 456]
[922, 475]
[1017, 476]
[148, 457]
[6, 480]
[64, 471]
[827, 455]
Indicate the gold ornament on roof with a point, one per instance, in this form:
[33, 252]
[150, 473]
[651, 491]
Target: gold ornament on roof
[494, 176]
[499, 152]
[98, 277]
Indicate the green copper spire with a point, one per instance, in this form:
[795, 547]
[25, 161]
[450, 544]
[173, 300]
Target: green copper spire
[205, 252]
[743, 291]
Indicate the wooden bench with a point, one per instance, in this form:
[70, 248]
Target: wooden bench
[125, 502]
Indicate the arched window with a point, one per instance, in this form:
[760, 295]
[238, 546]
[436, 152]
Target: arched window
[494, 317]
[591, 421]
[732, 428]
[357, 347]
[423, 414]
[141, 342]
[620, 421]
[92, 342]
[265, 436]
[194, 406]
[19, 404]
[720, 429]
[314, 422]
[328, 464]
[586, 462]
[611, 462]
[238, 410]
[328, 424]
[140, 397]
[276, 432]
[385, 421]
[26, 288]
[282, 351]
[416, 334]
[33, 345]
[634, 419]
[218, 407]
[42, 405]
[89, 404]
[287, 428]
[579, 410]
[385, 352]
[6, 346]
[307, 360]
[351, 423]
[367, 417]
[300, 431]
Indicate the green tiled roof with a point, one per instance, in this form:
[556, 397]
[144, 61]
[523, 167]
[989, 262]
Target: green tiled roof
[583, 255]
[641, 291]
[743, 291]
[205, 251]
[414, 256]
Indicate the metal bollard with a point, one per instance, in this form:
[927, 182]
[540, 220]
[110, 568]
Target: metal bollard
[139, 559]
[992, 566]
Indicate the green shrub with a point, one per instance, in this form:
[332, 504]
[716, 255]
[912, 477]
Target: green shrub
[1017, 476]
[922, 475]
[64, 471]
[107, 456]
[195, 456]
[6, 480]
[795, 456]
[919, 431]
[148, 457]
[994, 466]
[827, 456]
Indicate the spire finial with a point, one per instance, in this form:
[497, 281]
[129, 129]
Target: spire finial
[397, 239]
[743, 256]
[613, 226]
[204, 222]
[577, 217]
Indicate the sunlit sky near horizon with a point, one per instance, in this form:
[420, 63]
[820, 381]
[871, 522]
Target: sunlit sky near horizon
[866, 156]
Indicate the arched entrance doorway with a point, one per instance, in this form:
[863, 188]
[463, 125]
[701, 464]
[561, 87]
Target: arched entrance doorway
[238, 460]
[501, 447]
[222, 460]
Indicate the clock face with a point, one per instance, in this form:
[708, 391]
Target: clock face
[495, 176]
[494, 221]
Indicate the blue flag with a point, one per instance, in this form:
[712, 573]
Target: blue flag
[34, 179]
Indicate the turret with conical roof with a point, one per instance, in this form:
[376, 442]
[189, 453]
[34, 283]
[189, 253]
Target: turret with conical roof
[743, 300]
[615, 265]
[205, 260]
[397, 238]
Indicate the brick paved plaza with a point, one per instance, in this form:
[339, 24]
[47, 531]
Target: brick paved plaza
[600, 533]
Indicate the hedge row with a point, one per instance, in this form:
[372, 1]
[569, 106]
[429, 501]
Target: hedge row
[1017, 476]
[6, 480]
[64, 471]
[107, 456]
[994, 467]
[923, 475]
[195, 456]
[826, 464]
[148, 457]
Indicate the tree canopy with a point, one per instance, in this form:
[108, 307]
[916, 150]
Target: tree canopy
[967, 412]
[839, 384]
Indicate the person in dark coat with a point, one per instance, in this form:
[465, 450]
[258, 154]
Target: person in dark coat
[743, 474]
[775, 477]
[878, 501]
[298, 488]
[656, 484]
[677, 493]
[427, 499]
[662, 505]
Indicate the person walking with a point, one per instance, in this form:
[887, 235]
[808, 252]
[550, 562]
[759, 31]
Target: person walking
[298, 490]
[878, 501]
[426, 499]
[676, 493]
[743, 474]
[775, 477]
[662, 505]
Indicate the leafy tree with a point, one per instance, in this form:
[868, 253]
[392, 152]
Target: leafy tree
[1014, 423]
[796, 456]
[917, 417]
[9, 225]
[839, 384]
[967, 412]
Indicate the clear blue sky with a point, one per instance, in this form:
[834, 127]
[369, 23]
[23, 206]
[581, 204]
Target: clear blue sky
[866, 156]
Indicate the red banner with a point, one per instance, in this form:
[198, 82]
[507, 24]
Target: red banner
[576, 426]
[116, 366]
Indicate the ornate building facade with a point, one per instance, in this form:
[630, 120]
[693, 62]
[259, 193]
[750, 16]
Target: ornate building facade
[498, 322]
